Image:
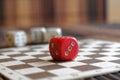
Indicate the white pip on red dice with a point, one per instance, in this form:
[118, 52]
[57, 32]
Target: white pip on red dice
[16, 38]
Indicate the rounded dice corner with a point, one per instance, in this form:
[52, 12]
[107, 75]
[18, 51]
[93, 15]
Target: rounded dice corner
[63, 48]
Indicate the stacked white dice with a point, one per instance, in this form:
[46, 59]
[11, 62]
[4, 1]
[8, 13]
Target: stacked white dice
[42, 34]
[16, 38]
[19, 38]
[38, 34]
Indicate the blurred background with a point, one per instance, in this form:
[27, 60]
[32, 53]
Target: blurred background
[24, 14]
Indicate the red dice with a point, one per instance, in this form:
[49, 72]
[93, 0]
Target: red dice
[63, 48]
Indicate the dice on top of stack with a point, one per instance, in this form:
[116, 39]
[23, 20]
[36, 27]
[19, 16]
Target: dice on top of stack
[42, 34]
[16, 38]
[38, 34]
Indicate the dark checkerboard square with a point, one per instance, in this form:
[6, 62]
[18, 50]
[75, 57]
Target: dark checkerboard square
[6, 51]
[85, 68]
[41, 55]
[57, 62]
[52, 67]
[95, 55]
[24, 51]
[7, 59]
[31, 60]
[116, 61]
[99, 51]
[36, 47]
[40, 75]
[45, 51]
[88, 61]
[17, 55]
[21, 66]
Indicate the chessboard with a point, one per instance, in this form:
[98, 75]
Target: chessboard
[95, 57]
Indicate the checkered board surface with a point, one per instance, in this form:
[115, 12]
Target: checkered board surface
[95, 57]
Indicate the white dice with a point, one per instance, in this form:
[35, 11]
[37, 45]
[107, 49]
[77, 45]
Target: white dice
[16, 38]
[20, 38]
[53, 32]
[38, 34]
[42, 34]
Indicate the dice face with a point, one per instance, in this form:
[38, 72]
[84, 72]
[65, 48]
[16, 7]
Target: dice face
[9, 39]
[20, 38]
[28, 34]
[38, 34]
[63, 48]
[53, 32]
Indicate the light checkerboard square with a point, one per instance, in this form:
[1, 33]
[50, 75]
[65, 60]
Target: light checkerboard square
[4, 56]
[10, 53]
[21, 49]
[24, 57]
[82, 57]
[105, 64]
[72, 64]
[108, 58]
[46, 58]
[110, 53]
[64, 71]
[33, 53]
[12, 63]
[41, 63]
[26, 71]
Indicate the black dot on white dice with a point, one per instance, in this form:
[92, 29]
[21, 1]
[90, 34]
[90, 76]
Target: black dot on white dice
[53, 32]
[38, 34]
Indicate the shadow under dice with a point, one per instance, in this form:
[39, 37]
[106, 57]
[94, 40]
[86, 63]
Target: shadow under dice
[63, 48]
